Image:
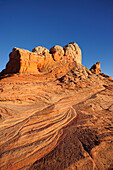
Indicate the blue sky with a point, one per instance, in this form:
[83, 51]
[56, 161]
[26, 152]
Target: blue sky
[30, 23]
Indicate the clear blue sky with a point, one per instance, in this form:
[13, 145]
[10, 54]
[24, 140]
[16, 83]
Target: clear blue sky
[30, 23]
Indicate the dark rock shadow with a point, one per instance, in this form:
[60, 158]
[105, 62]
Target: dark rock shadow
[5, 76]
[70, 149]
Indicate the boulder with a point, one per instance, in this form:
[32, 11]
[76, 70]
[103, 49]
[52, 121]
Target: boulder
[57, 52]
[40, 50]
[72, 50]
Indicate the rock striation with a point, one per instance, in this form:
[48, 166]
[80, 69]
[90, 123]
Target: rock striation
[41, 59]
[61, 118]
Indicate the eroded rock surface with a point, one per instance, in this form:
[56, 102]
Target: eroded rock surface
[41, 59]
[59, 119]
[96, 68]
[73, 50]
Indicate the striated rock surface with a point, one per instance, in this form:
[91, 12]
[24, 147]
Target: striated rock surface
[60, 119]
[41, 59]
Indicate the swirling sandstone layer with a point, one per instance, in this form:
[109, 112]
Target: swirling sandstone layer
[61, 119]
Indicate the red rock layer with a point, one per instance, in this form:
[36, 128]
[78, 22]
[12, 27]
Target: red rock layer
[57, 120]
[60, 118]
[41, 59]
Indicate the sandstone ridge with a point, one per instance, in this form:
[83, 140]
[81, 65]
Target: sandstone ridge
[41, 59]
[60, 118]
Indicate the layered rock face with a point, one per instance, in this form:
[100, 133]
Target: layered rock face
[61, 119]
[58, 120]
[41, 59]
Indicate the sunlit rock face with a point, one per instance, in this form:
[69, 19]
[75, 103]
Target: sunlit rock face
[97, 70]
[58, 120]
[60, 117]
[41, 59]
[73, 50]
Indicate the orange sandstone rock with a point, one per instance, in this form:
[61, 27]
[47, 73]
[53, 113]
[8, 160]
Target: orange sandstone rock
[61, 119]
[40, 50]
[73, 50]
[41, 59]
[96, 68]
[57, 52]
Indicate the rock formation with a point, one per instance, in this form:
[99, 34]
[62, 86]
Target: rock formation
[73, 50]
[41, 59]
[61, 118]
[97, 70]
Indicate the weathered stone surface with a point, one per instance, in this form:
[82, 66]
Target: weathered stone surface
[40, 59]
[59, 120]
[57, 52]
[40, 50]
[106, 76]
[73, 50]
[96, 68]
